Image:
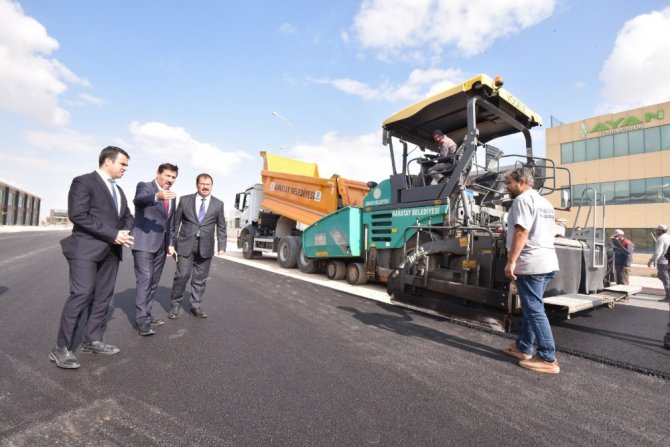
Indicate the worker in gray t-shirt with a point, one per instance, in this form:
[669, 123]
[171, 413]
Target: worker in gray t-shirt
[531, 264]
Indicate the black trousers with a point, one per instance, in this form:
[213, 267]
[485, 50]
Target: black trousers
[92, 288]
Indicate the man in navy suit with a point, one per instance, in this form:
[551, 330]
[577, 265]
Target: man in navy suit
[153, 237]
[198, 216]
[102, 222]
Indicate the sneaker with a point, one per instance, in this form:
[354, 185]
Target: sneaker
[539, 365]
[514, 351]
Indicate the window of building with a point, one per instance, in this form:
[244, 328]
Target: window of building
[10, 198]
[607, 188]
[665, 136]
[566, 153]
[654, 190]
[607, 146]
[642, 239]
[636, 142]
[666, 189]
[620, 144]
[621, 193]
[637, 190]
[593, 149]
[652, 139]
[579, 151]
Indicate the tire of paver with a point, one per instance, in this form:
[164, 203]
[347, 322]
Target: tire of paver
[336, 270]
[356, 274]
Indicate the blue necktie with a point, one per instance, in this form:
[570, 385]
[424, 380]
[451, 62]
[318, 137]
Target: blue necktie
[116, 199]
[201, 212]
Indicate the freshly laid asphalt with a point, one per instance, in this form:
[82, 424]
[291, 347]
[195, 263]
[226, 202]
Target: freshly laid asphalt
[283, 361]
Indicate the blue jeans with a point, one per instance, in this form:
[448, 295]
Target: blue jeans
[534, 322]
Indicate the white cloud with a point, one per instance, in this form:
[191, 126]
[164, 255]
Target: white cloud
[419, 84]
[394, 27]
[636, 73]
[175, 143]
[30, 82]
[360, 157]
[66, 140]
[288, 29]
[85, 98]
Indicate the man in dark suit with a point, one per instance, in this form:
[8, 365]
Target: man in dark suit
[102, 222]
[198, 216]
[153, 236]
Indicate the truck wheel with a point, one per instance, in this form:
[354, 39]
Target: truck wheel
[305, 264]
[247, 247]
[336, 270]
[287, 252]
[356, 274]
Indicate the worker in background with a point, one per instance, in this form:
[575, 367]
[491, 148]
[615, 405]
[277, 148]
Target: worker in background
[623, 256]
[446, 146]
[658, 257]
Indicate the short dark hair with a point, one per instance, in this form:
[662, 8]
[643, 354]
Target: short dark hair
[437, 132]
[203, 175]
[522, 173]
[168, 167]
[111, 152]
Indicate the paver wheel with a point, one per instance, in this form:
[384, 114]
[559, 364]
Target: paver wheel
[356, 274]
[336, 270]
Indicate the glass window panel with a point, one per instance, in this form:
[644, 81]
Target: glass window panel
[666, 189]
[607, 146]
[621, 193]
[579, 151]
[642, 239]
[636, 142]
[607, 188]
[593, 149]
[577, 191]
[566, 153]
[652, 139]
[620, 144]
[654, 190]
[637, 191]
[665, 137]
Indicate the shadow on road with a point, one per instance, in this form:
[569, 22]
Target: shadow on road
[3, 289]
[125, 301]
[401, 324]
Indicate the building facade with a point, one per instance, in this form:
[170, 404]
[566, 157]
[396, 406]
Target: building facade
[18, 207]
[626, 157]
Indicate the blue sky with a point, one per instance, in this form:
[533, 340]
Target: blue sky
[195, 83]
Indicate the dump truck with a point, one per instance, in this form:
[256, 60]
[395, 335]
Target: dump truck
[291, 195]
[441, 247]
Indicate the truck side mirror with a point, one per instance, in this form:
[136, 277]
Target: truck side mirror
[385, 137]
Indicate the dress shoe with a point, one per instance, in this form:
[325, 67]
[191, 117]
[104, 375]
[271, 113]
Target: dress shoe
[153, 321]
[145, 329]
[198, 313]
[64, 358]
[174, 312]
[98, 347]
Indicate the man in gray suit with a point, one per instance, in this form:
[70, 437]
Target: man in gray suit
[198, 216]
[102, 221]
[154, 237]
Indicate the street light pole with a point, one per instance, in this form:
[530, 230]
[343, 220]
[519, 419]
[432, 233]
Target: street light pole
[295, 132]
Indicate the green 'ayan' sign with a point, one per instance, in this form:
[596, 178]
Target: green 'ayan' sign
[620, 125]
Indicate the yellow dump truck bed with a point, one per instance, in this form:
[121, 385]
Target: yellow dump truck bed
[293, 189]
